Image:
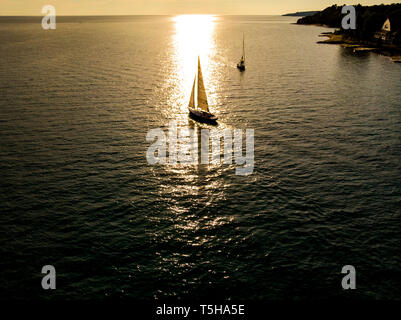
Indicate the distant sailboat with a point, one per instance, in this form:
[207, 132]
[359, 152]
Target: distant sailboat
[241, 64]
[201, 112]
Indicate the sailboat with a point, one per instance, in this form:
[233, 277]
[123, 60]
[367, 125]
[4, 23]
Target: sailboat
[201, 112]
[241, 63]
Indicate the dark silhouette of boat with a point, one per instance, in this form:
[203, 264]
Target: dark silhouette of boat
[200, 112]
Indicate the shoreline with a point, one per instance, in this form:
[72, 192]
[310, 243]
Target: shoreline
[392, 52]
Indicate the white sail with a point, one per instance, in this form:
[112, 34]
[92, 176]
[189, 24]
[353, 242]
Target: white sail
[241, 64]
[202, 97]
[192, 99]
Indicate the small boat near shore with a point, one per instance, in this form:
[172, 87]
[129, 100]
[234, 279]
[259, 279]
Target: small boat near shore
[200, 112]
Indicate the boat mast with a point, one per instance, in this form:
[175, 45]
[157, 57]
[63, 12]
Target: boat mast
[243, 46]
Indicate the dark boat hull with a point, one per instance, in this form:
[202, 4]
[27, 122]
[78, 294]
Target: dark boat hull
[202, 116]
[241, 67]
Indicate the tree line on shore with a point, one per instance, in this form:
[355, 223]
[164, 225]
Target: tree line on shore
[369, 20]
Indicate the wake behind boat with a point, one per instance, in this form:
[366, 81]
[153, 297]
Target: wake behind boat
[200, 113]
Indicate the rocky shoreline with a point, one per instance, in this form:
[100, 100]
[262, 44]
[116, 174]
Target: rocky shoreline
[378, 28]
[393, 52]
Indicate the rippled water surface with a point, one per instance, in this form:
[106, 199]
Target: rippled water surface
[77, 192]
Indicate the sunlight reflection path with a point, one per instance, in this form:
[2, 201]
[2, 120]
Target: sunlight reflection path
[194, 36]
[191, 191]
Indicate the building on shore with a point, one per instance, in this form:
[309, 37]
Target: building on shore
[385, 35]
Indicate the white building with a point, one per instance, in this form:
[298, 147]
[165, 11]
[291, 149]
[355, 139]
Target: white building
[384, 34]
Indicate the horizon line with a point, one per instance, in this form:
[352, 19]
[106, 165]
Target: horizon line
[160, 15]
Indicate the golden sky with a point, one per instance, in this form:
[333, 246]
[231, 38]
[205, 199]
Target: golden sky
[168, 7]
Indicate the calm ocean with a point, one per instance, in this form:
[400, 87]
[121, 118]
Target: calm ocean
[77, 192]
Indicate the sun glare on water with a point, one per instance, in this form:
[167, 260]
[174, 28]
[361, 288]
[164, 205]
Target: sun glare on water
[194, 36]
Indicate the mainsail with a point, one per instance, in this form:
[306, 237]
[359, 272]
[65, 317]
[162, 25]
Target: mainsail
[201, 113]
[192, 100]
[202, 98]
